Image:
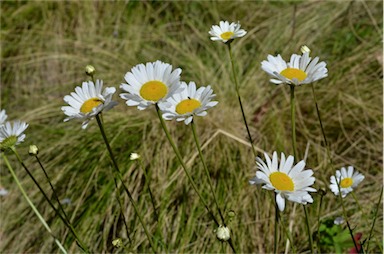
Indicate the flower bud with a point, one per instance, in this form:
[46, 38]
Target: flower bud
[134, 156]
[33, 150]
[305, 49]
[90, 70]
[117, 243]
[223, 233]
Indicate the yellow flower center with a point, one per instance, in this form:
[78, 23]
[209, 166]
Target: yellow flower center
[153, 90]
[226, 35]
[281, 181]
[88, 105]
[187, 106]
[291, 73]
[346, 182]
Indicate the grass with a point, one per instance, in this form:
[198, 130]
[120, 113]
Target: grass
[45, 47]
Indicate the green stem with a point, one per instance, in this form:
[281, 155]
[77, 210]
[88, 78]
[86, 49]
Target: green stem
[318, 220]
[374, 219]
[293, 115]
[308, 229]
[32, 205]
[293, 121]
[276, 235]
[118, 195]
[288, 233]
[178, 155]
[52, 188]
[118, 175]
[239, 98]
[147, 183]
[332, 165]
[206, 170]
[65, 221]
[321, 125]
[357, 201]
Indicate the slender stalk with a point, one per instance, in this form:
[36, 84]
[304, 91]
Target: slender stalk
[276, 235]
[206, 170]
[118, 195]
[322, 193]
[374, 219]
[294, 155]
[52, 188]
[308, 229]
[32, 205]
[178, 155]
[147, 183]
[332, 165]
[117, 174]
[357, 201]
[289, 235]
[65, 221]
[239, 98]
[293, 123]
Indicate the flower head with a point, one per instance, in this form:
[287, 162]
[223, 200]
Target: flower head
[150, 84]
[88, 101]
[3, 117]
[298, 71]
[12, 135]
[226, 32]
[348, 181]
[184, 105]
[288, 181]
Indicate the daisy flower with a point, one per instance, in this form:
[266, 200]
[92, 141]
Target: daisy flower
[184, 105]
[298, 71]
[88, 101]
[226, 32]
[288, 181]
[3, 117]
[12, 135]
[348, 181]
[149, 84]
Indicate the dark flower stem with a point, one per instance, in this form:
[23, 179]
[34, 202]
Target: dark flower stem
[32, 205]
[65, 221]
[117, 174]
[239, 98]
[332, 165]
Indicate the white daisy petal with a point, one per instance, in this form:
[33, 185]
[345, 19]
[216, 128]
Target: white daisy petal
[11, 134]
[226, 32]
[150, 84]
[87, 101]
[299, 70]
[3, 117]
[188, 103]
[348, 181]
[288, 181]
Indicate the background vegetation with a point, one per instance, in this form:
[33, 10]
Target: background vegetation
[45, 47]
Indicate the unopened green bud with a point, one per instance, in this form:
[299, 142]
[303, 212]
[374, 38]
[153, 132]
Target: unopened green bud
[223, 233]
[90, 70]
[33, 150]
